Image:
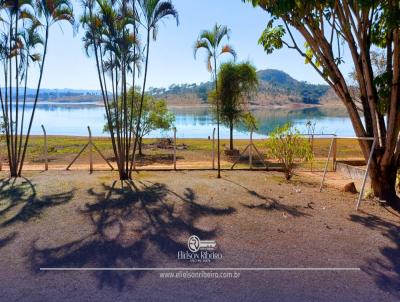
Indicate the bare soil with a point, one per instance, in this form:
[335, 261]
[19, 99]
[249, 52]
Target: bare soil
[61, 219]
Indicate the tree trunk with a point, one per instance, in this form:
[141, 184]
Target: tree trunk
[141, 100]
[231, 135]
[383, 181]
[140, 146]
[28, 133]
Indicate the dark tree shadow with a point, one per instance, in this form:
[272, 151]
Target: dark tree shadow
[274, 205]
[7, 239]
[136, 225]
[385, 270]
[20, 202]
[271, 204]
[152, 159]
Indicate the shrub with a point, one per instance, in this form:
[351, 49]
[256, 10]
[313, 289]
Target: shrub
[288, 146]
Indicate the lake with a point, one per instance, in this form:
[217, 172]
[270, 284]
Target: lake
[73, 119]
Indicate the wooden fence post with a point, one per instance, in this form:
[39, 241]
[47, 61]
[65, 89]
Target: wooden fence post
[312, 150]
[366, 175]
[90, 151]
[334, 160]
[46, 160]
[213, 150]
[175, 149]
[327, 164]
[251, 151]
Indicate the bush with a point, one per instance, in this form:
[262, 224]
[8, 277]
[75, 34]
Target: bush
[288, 146]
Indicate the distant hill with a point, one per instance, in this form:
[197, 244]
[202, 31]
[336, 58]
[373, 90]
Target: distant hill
[61, 95]
[276, 88]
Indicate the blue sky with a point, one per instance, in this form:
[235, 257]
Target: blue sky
[172, 60]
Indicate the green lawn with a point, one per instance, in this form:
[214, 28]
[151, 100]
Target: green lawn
[62, 149]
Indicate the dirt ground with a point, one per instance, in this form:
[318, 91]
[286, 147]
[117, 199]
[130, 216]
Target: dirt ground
[61, 219]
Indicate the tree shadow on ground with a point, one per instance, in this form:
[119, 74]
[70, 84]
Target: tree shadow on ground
[150, 159]
[7, 239]
[19, 200]
[274, 205]
[385, 270]
[135, 225]
[271, 204]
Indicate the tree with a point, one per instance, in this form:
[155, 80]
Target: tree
[360, 27]
[287, 145]
[235, 84]
[154, 11]
[155, 115]
[210, 41]
[112, 35]
[21, 43]
[249, 121]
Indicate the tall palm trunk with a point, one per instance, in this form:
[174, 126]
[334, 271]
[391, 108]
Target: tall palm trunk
[23, 108]
[16, 92]
[133, 92]
[35, 102]
[6, 113]
[13, 166]
[141, 100]
[218, 116]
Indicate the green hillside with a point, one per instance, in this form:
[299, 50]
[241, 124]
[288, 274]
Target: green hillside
[276, 88]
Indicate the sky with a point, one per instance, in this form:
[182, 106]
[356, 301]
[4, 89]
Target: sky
[171, 56]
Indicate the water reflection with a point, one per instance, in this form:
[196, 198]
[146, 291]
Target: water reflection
[72, 119]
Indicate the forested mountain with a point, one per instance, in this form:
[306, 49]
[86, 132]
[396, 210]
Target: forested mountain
[276, 88]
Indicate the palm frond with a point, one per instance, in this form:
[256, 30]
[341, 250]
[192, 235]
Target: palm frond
[228, 49]
[201, 44]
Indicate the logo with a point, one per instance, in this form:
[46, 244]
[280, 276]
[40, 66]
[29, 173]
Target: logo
[200, 250]
[195, 244]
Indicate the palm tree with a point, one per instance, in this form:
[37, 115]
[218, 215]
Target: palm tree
[112, 35]
[52, 12]
[31, 39]
[210, 41]
[153, 11]
[116, 47]
[13, 13]
[236, 82]
[20, 45]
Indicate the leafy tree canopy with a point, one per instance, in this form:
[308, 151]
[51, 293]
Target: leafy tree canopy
[330, 27]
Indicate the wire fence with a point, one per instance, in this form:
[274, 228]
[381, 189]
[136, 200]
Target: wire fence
[172, 152]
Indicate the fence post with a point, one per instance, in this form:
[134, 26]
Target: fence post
[213, 150]
[46, 160]
[175, 148]
[327, 164]
[90, 151]
[312, 150]
[251, 151]
[366, 175]
[334, 154]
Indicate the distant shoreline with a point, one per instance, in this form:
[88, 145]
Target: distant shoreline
[174, 105]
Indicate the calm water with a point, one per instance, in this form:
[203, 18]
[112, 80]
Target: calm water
[73, 119]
